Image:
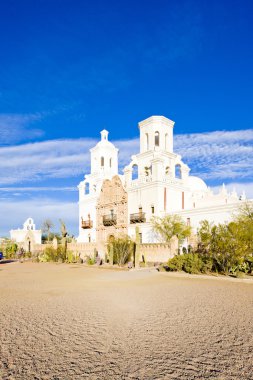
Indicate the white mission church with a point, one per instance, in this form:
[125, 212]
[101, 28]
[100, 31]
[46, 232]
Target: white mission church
[156, 182]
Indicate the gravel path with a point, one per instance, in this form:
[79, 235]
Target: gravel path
[64, 322]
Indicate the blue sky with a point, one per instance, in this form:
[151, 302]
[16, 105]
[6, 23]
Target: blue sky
[71, 68]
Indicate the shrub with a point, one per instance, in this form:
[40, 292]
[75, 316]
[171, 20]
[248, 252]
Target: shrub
[176, 263]
[192, 263]
[90, 261]
[71, 257]
[123, 249]
[57, 255]
[11, 250]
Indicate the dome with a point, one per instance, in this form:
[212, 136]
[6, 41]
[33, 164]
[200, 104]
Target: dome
[196, 184]
[104, 143]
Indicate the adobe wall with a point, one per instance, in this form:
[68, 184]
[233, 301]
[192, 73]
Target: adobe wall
[159, 252]
[152, 253]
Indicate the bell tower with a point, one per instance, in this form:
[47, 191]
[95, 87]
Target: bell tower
[104, 158]
[156, 133]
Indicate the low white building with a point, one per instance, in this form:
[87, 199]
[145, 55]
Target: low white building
[28, 235]
[156, 182]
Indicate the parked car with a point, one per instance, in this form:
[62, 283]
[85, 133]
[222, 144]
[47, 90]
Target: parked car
[1, 255]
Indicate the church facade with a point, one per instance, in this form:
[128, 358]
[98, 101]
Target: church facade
[28, 236]
[155, 183]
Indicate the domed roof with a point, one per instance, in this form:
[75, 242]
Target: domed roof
[104, 142]
[196, 184]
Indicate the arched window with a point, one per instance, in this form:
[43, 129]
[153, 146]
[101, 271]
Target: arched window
[147, 141]
[157, 138]
[178, 173]
[87, 188]
[166, 141]
[134, 172]
[102, 162]
[110, 162]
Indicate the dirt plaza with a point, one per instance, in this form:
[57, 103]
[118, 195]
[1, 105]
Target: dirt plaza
[74, 322]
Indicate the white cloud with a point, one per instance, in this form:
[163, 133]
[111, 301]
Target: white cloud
[17, 127]
[16, 212]
[219, 155]
[37, 188]
[215, 156]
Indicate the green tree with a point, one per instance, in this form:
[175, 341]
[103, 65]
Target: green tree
[228, 245]
[171, 226]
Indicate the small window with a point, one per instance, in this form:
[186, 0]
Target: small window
[134, 172]
[157, 138]
[87, 188]
[140, 210]
[178, 173]
[152, 209]
[147, 141]
[140, 237]
[110, 162]
[166, 141]
[102, 162]
[89, 238]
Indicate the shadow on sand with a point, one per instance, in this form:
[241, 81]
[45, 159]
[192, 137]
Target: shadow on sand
[8, 261]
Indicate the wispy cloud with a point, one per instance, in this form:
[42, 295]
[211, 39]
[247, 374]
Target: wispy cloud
[37, 189]
[18, 127]
[220, 155]
[215, 156]
[16, 212]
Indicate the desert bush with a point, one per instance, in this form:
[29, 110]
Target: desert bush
[240, 274]
[57, 255]
[11, 250]
[90, 261]
[71, 257]
[176, 263]
[189, 263]
[123, 250]
[192, 263]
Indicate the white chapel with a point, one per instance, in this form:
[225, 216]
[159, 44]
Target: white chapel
[155, 182]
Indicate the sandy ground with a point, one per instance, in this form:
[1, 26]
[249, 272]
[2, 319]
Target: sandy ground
[70, 322]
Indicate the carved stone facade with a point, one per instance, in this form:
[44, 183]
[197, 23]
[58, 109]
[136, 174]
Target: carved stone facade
[112, 209]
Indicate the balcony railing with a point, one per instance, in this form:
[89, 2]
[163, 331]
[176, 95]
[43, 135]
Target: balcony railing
[87, 224]
[109, 220]
[139, 217]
